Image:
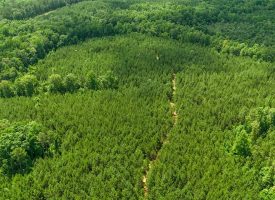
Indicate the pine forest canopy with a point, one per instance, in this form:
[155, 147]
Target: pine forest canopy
[130, 99]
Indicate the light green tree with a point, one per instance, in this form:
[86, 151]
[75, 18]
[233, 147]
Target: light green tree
[71, 83]
[26, 85]
[55, 84]
[242, 144]
[6, 89]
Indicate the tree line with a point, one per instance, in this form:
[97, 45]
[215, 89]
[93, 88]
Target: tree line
[28, 85]
[18, 10]
[25, 42]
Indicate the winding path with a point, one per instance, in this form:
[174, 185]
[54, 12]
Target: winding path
[175, 119]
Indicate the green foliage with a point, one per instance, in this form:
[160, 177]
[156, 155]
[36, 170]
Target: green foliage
[91, 81]
[24, 42]
[195, 164]
[71, 83]
[267, 194]
[97, 130]
[26, 85]
[107, 81]
[258, 123]
[260, 120]
[20, 145]
[17, 9]
[268, 176]
[242, 144]
[107, 100]
[104, 128]
[6, 89]
[55, 84]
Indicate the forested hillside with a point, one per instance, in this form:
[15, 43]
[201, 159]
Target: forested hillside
[21, 9]
[127, 99]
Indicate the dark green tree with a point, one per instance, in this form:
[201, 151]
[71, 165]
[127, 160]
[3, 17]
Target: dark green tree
[91, 81]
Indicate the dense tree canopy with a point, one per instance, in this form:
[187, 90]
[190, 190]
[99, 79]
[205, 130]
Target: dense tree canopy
[21, 144]
[25, 42]
[130, 99]
[128, 124]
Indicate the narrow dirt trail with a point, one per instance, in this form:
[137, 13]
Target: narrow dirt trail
[175, 119]
[47, 13]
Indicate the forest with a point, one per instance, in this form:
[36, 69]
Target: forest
[135, 99]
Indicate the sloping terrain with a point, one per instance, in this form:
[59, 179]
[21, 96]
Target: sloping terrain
[137, 100]
[22, 9]
[107, 138]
